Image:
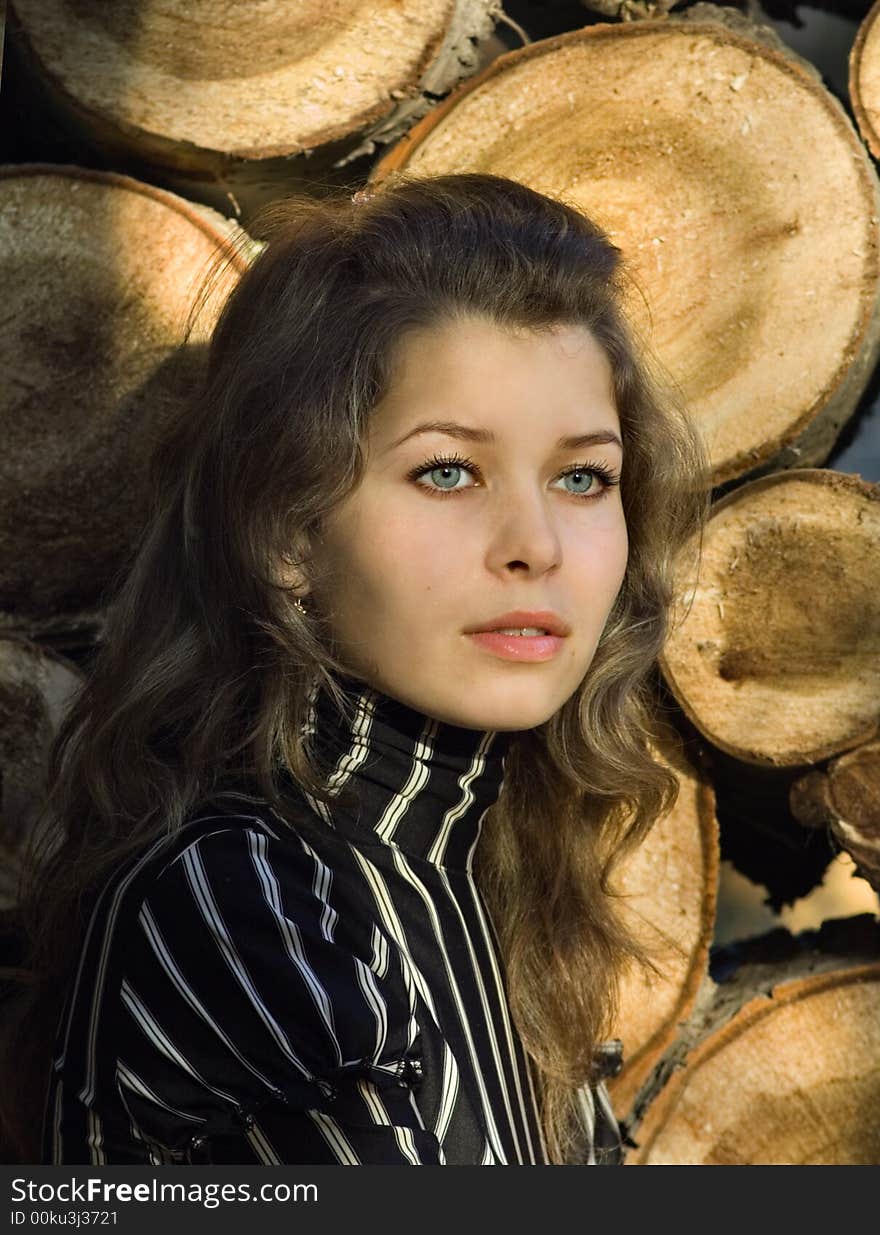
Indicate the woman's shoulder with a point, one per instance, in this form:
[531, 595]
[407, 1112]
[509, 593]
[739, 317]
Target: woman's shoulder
[220, 821]
[232, 963]
[236, 879]
[239, 876]
[234, 850]
[251, 923]
[240, 844]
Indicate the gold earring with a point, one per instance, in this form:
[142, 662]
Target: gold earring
[298, 604]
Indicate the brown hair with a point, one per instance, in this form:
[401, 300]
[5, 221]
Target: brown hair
[203, 673]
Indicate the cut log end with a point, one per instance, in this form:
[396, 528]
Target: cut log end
[106, 271]
[791, 1042]
[660, 130]
[774, 655]
[846, 797]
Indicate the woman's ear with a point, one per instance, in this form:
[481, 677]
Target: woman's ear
[290, 572]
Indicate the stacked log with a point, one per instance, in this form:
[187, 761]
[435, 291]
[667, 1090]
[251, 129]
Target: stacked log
[845, 797]
[670, 887]
[775, 659]
[101, 272]
[775, 654]
[273, 97]
[662, 130]
[778, 1064]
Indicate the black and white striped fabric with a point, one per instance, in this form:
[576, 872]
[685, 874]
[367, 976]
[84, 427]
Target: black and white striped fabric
[323, 988]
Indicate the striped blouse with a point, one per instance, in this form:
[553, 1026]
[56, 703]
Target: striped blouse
[326, 991]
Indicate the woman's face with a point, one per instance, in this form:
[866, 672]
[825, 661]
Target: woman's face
[424, 551]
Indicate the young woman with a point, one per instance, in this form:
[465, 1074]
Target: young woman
[371, 726]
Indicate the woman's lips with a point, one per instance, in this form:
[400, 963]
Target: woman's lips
[518, 647]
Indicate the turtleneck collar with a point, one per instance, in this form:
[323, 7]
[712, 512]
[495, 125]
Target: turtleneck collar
[402, 778]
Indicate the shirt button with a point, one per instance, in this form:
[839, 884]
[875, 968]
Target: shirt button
[413, 1071]
[199, 1150]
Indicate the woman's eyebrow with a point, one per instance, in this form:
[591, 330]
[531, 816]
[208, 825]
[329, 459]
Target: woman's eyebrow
[452, 429]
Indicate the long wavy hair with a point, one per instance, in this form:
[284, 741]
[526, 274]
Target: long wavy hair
[203, 673]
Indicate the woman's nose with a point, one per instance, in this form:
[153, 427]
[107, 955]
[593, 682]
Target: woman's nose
[524, 532]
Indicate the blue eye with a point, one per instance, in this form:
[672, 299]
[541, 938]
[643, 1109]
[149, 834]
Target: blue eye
[445, 472]
[440, 475]
[585, 474]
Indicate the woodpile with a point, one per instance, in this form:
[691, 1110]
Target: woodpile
[778, 1064]
[775, 654]
[748, 212]
[101, 271]
[273, 97]
[670, 884]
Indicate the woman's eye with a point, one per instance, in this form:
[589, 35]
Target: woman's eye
[585, 478]
[444, 474]
[591, 480]
[447, 477]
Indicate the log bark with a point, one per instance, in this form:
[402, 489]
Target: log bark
[100, 273]
[36, 687]
[778, 1063]
[661, 130]
[670, 885]
[864, 79]
[233, 111]
[775, 653]
[630, 10]
[845, 797]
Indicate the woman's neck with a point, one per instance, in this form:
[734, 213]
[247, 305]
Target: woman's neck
[402, 778]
